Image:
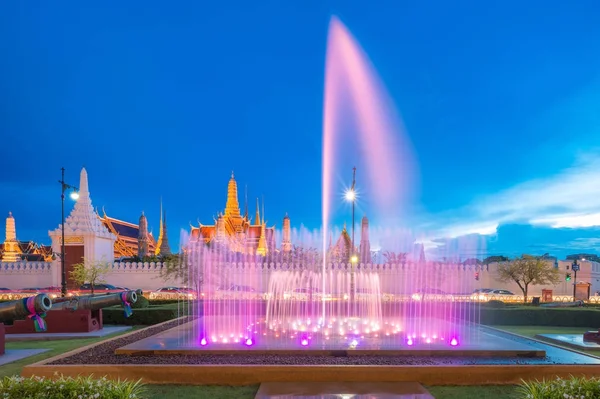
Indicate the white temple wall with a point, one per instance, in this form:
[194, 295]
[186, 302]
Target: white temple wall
[20, 275]
[394, 279]
[144, 275]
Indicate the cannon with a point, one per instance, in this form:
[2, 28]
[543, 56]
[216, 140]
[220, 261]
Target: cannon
[33, 307]
[80, 314]
[125, 298]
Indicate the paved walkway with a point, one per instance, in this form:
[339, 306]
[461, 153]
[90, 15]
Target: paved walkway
[107, 330]
[12, 355]
[342, 390]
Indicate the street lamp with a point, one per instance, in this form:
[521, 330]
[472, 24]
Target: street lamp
[575, 268]
[351, 197]
[74, 195]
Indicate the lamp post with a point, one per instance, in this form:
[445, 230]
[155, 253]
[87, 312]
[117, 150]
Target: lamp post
[575, 268]
[75, 196]
[351, 196]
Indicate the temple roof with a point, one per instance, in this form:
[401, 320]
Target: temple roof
[122, 228]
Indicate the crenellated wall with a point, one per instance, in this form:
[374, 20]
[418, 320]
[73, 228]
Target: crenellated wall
[394, 278]
[20, 275]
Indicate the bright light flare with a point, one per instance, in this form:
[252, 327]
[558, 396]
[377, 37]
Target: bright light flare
[74, 195]
[350, 195]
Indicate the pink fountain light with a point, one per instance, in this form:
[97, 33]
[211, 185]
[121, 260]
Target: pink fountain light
[353, 90]
[312, 306]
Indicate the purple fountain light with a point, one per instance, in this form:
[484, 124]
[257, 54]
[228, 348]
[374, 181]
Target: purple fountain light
[316, 298]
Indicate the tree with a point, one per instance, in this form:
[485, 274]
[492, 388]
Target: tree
[91, 272]
[528, 270]
[185, 269]
[495, 259]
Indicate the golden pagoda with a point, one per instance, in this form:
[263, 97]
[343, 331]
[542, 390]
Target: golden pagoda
[14, 250]
[235, 231]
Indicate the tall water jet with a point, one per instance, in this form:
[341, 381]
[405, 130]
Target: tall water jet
[354, 91]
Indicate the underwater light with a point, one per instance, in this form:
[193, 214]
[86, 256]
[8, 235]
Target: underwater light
[454, 342]
[203, 342]
[249, 342]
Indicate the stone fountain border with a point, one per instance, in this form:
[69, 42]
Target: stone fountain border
[255, 374]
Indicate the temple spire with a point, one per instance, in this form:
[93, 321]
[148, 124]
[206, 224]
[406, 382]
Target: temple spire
[232, 207]
[11, 251]
[164, 244]
[160, 231]
[257, 220]
[246, 203]
[143, 237]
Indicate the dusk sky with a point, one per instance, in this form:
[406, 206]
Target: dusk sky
[500, 101]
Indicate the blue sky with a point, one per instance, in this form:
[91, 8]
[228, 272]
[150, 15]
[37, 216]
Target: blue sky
[500, 101]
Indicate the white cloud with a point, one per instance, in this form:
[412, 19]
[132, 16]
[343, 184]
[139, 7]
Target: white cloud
[570, 198]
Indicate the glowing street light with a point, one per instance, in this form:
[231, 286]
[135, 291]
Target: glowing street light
[74, 195]
[350, 195]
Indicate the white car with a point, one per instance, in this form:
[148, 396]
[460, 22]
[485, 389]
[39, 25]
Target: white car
[306, 294]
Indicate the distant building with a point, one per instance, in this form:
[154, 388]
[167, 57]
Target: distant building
[14, 250]
[126, 245]
[238, 232]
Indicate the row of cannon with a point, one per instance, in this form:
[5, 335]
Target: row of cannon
[36, 307]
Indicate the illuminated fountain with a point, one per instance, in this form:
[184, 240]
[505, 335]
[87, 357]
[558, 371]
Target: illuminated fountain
[322, 301]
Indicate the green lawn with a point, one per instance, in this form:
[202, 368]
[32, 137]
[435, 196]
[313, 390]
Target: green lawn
[220, 392]
[226, 392]
[532, 331]
[56, 348]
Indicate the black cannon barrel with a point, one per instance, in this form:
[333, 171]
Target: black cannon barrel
[25, 307]
[96, 302]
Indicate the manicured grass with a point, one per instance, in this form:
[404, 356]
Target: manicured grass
[532, 331]
[200, 392]
[56, 348]
[222, 392]
[475, 392]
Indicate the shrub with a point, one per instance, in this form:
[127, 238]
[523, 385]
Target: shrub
[164, 301]
[535, 316]
[141, 303]
[66, 387]
[571, 388]
[494, 304]
[144, 316]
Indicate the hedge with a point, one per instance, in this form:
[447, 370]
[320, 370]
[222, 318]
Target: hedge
[566, 317]
[144, 316]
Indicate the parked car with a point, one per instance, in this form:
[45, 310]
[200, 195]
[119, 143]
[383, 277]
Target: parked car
[99, 288]
[431, 294]
[490, 293]
[307, 294]
[177, 292]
